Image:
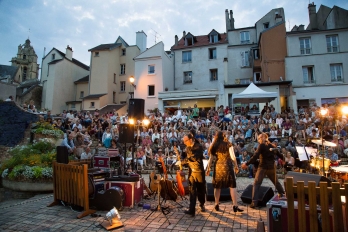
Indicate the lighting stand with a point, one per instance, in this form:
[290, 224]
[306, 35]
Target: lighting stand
[113, 220]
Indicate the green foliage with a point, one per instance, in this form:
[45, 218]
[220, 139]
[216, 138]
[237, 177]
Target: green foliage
[33, 161]
[46, 128]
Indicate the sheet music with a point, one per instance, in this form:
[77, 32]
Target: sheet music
[312, 151]
[301, 153]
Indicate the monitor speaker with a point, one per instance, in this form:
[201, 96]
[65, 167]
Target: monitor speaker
[224, 196]
[136, 108]
[62, 155]
[265, 194]
[126, 133]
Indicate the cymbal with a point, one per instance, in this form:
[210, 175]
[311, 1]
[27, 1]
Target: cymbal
[323, 142]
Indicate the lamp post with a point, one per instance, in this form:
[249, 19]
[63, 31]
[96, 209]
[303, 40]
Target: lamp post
[137, 124]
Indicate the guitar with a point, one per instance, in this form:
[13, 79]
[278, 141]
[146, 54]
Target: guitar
[148, 191]
[183, 186]
[154, 180]
[167, 188]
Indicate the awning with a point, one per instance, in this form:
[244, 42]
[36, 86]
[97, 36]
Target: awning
[189, 98]
[253, 94]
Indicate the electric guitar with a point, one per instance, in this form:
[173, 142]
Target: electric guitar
[183, 186]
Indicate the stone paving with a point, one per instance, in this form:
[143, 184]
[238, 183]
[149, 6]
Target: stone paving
[34, 215]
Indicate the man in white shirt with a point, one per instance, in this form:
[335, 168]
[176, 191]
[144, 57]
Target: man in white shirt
[86, 154]
[78, 125]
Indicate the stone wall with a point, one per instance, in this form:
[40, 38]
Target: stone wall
[13, 123]
[7, 90]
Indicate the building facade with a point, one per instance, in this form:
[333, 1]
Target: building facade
[111, 66]
[318, 57]
[59, 72]
[153, 74]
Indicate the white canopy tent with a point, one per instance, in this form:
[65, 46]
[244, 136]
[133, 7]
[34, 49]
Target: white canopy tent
[253, 94]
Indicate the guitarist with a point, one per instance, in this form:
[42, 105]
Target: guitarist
[194, 159]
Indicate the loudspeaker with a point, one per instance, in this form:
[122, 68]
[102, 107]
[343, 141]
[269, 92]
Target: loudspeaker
[305, 177]
[224, 196]
[265, 194]
[136, 108]
[62, 154]
[126, 133]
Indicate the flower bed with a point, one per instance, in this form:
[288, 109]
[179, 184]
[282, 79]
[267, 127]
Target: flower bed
[46, 130]
[30, 163]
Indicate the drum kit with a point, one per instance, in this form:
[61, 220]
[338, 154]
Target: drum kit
[324, 165]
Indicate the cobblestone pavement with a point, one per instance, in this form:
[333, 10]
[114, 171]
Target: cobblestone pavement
[34, 215]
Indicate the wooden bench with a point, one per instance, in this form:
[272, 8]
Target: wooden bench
[327, 195]
[70, 184]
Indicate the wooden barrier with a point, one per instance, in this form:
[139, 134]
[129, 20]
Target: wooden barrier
[70, 184]
[323, 192]
[81, 162]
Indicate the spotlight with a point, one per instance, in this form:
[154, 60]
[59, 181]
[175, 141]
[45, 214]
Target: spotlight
[131, 121]
[112, 223]
[146, 122]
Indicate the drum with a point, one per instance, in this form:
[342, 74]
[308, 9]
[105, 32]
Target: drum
[319, 163]
[340, 172]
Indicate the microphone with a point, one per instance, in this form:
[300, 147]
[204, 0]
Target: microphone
[273, 149]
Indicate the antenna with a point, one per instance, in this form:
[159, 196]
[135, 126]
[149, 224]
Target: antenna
[289, 24]
[44, 52]
[156, 34]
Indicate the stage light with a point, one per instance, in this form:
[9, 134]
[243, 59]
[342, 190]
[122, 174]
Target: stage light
[146, 122]
[323, 111]
[131, 121]
[113, 213]
[345, 109]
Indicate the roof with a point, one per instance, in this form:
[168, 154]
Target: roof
[83, 79]
[105, 47]
[55, 61]
[8, 70]
[74, 61]
[94, 96]
[28, 83]
[109, 108]
[253, 94]
[200, 40]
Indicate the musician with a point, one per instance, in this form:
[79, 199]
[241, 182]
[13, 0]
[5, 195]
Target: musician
[331, 155]
[265, 153]
[194, 159]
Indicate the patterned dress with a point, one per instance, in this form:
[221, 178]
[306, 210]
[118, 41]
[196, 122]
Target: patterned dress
[223, 176]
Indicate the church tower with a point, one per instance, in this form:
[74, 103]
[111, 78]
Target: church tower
[26, 60]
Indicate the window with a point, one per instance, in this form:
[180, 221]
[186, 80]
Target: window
[123, 52]
[213, 74]
[212, 53]
[332, 43]
[24, 57]
[151, 69]
[151, 89]
[266, 25]
[92, 104]
[53, 56]
[187, 77]
[25, 73]
[189, 41]
[123, 69]
[186, 56]
[245, 59]
[96, 54]
[73, 106]
[305, 46]
[308, 74]
[336, 72]
[213, 38]
[256, 54]
[257, 77]
[122, 86]
[115, 78]
[82, 94]
[245, 37]
[244, 81]
[114, 97]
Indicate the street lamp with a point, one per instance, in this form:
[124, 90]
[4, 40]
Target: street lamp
[131, 80]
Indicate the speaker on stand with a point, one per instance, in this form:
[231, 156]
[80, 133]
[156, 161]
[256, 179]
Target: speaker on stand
[126, 133]
[136, 108]
[62, 155]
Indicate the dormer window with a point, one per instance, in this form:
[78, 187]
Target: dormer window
[214, 38]
[53, 56]
[189, 40]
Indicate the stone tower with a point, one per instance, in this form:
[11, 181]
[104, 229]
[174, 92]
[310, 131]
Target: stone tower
[26, 60]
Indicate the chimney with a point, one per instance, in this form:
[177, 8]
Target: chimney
[312, 16]
[141, 39]
[68, 53]
[176, 40]
[300, 27]
[231, 20]
[183, 34]
[228, 26]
